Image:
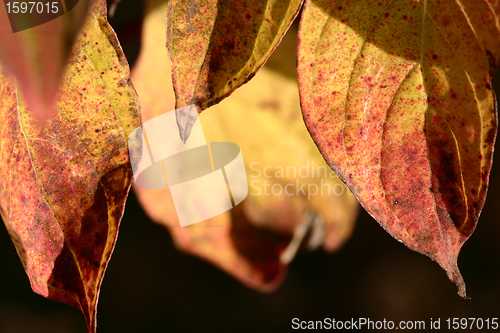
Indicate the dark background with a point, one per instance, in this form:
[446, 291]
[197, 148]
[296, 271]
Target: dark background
[151, 287]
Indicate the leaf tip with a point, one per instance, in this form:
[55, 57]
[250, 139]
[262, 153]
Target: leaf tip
[186, 118]
[91, 323]
[454, 275]
[460, 283]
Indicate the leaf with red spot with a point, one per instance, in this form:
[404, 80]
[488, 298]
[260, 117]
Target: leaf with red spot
[397, 96]
[37, 56]
[252, 242]
[64, 181]
[216, 46]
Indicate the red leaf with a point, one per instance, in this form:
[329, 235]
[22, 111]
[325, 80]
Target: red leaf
[64, 181]
[397, 97]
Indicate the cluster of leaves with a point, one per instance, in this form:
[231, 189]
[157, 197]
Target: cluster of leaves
[396, 96]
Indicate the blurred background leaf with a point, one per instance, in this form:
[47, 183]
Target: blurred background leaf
[37, 56]
[263, 117]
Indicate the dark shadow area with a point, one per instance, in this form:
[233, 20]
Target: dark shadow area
[127, 23]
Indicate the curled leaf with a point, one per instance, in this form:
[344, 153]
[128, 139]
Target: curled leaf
[216, 46]
[64, 182]
[397, 96]
[37, 56]
[252, 241]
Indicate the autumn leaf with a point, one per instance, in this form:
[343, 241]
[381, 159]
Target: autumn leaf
[37, 56]
[397, 96]
[252, 241]
[216, 46]
[64, 182]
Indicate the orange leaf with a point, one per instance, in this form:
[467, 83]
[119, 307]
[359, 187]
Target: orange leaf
[397, 96]
[65, 181]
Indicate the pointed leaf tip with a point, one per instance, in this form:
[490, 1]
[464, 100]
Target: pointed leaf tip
[186, 118]
[246, 241]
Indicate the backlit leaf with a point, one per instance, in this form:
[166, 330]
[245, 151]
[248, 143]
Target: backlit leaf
[397, 96]
[37, 56]
[64, 181]
[216, 46]
[263, 118]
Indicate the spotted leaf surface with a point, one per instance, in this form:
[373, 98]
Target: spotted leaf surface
[63, 182]
[397, 96]
[216, 46]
